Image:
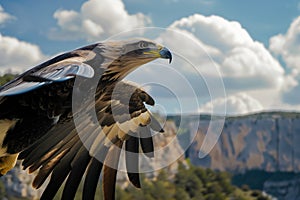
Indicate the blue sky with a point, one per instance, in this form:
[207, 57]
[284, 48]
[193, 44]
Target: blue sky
[260, 31]
[262, 19]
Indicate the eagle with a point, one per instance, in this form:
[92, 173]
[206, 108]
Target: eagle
[68, 118]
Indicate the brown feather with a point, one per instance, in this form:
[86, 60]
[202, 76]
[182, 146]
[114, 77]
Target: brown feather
[132, 160]
[110, 171]
[146, 141]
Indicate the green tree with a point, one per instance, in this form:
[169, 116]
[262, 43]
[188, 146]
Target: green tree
[2, 190]
[181, 194]
[5, 78]
[186, 179]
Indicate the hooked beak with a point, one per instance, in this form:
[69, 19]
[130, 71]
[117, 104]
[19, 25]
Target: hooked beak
[165, 53]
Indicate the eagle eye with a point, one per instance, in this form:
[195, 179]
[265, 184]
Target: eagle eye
[143, 45]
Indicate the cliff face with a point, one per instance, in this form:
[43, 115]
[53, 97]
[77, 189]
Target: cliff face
[267, 141]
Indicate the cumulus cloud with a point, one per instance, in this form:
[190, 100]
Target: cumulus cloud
[96, 20]
[235, 54]
[287, 46]
[240, 103]
[4, 16]
[209, 51]
[16, 55]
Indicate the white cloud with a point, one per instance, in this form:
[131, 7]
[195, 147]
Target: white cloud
[220, 50]
[287, 46]
[16, 55]
[243, 62]
[214, 30]
[4, 16]
[96, 20]
[240, 103]
[209, 50]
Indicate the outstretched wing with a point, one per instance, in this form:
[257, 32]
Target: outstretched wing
[58, 69]
[69, 151]
[36, 99]
[58, 73]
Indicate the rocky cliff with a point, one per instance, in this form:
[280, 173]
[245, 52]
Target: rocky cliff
[265, 141]
[256, 147]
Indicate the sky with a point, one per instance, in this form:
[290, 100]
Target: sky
[229, 57]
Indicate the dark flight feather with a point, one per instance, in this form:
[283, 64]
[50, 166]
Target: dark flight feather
[92, 178]
[110, 171]
[78, 166]
[132, 160]
[146, 141]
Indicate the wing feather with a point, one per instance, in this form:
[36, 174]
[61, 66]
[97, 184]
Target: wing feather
[92, 178]
[60, 150]
[66, 154]
[51, 164]
[146, 141]
[46, 76]
[38, 158]
[59, 174]
[110, 171]
[78, 165]
[132, 160]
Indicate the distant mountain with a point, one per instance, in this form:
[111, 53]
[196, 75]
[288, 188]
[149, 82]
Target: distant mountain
[267, 141]
[255, 148]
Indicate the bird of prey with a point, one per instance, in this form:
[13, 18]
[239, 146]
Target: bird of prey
[43, 123]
